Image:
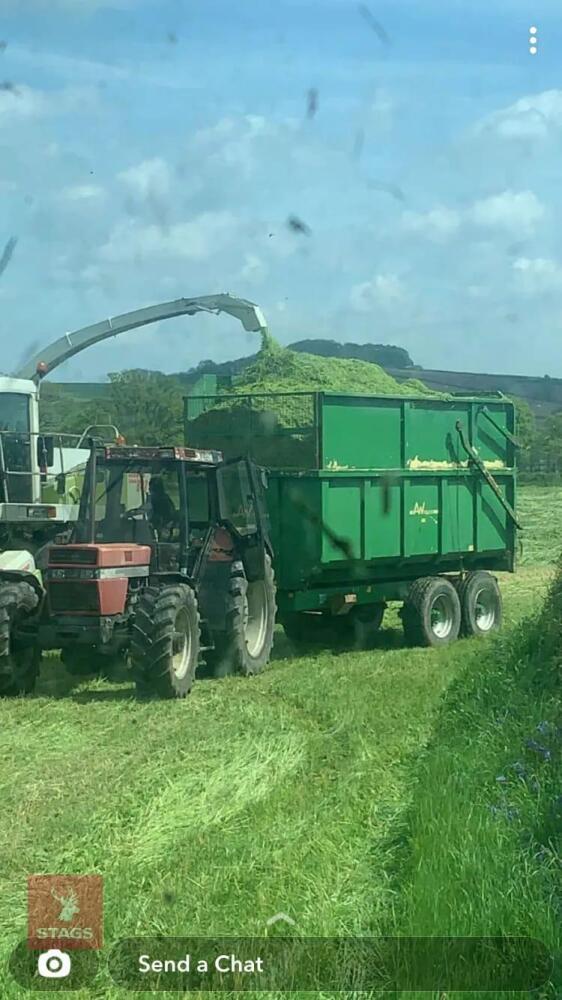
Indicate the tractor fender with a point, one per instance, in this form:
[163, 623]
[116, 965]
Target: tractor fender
[25, 576]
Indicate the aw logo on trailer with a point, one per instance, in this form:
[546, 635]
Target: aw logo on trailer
[65, 910]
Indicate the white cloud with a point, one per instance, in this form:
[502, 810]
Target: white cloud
[538, 274]
[83, 192]
[195, 240]
[20, 102]
[151, 178]
[530, 117]
[254, 268]
[439, 223]
[519, 211]
[382, 290]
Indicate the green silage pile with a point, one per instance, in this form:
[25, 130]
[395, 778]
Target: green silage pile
[280, 431]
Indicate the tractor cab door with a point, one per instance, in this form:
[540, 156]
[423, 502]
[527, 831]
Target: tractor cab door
[242, 506]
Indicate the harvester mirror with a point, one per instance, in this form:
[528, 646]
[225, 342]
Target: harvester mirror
[61, 484]
[45, 451]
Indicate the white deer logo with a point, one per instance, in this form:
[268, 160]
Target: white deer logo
[68, 904]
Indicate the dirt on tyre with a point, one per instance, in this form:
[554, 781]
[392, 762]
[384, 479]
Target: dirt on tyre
[481, 604]
[19, 666]
[165, 647]
[245, 646]
[431, 615]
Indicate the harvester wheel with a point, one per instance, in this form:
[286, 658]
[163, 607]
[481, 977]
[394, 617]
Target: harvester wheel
[245, 646]
[481, 604]
[19, 666]
[166, 641]
[431, 616]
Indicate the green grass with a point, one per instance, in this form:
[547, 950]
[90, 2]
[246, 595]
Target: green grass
[329, 788]
[540, 509]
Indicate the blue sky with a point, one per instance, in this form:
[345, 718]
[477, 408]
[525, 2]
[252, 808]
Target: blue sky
[155, 148]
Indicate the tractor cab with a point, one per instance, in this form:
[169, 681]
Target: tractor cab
[159, 524]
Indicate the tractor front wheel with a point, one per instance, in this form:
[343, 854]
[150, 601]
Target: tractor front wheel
[245, 646]
[19, 667]
[166, 641]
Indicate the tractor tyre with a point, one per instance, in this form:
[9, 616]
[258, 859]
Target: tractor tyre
[19, 666]
[481, 604]
[245, 646]
[431, 615]
[165, 647]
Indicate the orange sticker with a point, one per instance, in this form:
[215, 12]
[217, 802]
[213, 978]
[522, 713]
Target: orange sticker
[65, 911]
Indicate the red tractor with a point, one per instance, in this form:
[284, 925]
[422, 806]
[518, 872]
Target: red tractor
[168, 564]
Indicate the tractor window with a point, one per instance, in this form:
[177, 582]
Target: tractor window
[16, 450]
[198, 498]
[236, 498]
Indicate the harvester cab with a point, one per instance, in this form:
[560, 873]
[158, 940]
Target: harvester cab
[168, 562]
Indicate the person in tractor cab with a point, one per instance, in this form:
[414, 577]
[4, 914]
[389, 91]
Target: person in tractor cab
[160, 508]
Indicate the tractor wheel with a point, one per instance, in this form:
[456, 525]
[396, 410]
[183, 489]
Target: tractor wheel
[431, 616]
[245, 646]
[166, 641]
[19, 667]
[481, 604]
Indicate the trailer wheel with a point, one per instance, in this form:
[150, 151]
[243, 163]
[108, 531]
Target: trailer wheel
[19, 666]
[166, 641]
[431, 616]
[245, 646]
[481, 604]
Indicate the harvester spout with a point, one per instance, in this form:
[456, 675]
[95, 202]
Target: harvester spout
[43, 363]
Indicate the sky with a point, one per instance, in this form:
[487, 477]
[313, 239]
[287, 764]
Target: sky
[154, 149]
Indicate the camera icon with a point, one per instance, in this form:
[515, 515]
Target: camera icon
[54, 964]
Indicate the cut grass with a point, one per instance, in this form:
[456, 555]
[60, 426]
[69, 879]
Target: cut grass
[299, 791]
[207, 817]
[540, 510]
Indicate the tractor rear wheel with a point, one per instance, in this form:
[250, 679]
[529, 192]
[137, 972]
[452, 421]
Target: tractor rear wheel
[245, 646]
[481, 604]
[166, 641]
[431, 616]
[19, 666]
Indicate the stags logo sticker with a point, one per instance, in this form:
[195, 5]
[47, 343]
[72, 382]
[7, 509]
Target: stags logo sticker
[65, 911]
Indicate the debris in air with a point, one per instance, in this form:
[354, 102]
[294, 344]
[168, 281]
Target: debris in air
[311, 102]
[375, 25]
[298, 226]
[7, 253]
[172, 38]
[8, 86]
[3, 46]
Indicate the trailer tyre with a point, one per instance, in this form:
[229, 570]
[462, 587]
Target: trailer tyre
[362, 625]
[481, 604]
[245, 646]
[431, 615]
[165, 647]
[19, 666]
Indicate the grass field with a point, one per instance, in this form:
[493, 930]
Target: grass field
[290, 792]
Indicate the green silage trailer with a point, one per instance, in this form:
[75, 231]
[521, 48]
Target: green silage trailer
[375, 499]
